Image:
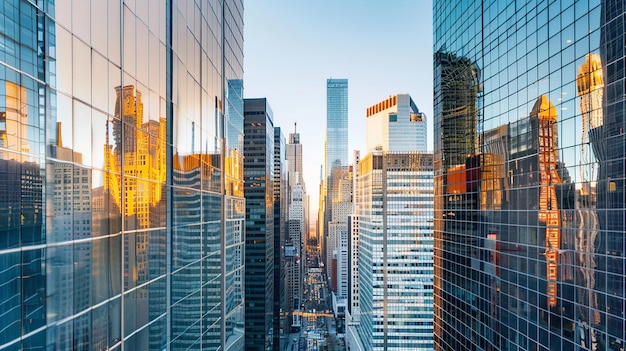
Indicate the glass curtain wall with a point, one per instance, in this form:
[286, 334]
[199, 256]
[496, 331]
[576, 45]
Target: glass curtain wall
[529, 104]
[121, 207]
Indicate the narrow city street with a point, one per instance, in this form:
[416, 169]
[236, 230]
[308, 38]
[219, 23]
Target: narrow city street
[318, 322]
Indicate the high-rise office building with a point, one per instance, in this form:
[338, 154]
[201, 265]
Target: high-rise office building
[298, 224]
[293, 285]
[394, 200]
[296, 230]
[258, 150]
[296, 176]
[396, 124]
[338, 235]
[390, 275]
[529, 173]
[338, 216]
[352, 315]
[336, 153]
[337, 240]
[121, 201]
[296, 264]
[335, 150]
[342, 208]
[296, 184]
[281, 207]
[294, 155]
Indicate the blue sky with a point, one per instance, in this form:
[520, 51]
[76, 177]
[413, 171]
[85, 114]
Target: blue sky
[292, 47]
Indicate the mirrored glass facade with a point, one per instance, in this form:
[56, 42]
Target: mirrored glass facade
[121, 200]
[530, 243]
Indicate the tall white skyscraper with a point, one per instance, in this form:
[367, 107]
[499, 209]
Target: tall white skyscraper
[395, 210]
[391, 301]
[396, 124]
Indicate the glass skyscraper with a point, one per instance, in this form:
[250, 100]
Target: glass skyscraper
[121, 200]
[336, 152]
[335, 148]
[530, 245]
[259, 254]
[281, 208]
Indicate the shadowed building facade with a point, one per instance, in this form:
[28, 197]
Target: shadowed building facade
[259, 193]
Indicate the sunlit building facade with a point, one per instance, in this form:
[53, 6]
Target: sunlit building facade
[353, 311]
[338, 235]
[298, 223]
[394, 197]
[396, 124]
[353, 314]
[529, 103]
[121, 200]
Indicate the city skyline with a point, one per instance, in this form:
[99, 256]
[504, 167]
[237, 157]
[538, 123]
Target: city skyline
[468, 160]
[317, 41]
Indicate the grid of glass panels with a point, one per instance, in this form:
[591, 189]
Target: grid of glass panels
[115, 162]
[335, 148]
[529, 178]
[395, 200]
[259, 250]
[336, 124]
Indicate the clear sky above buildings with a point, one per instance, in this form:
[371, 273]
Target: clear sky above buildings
[292, 47]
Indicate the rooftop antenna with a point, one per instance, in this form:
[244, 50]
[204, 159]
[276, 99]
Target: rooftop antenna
[295, 127]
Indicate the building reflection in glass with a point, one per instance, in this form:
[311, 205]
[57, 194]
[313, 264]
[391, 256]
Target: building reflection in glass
[590, 90]
[22, 219]
[529, 250]
[609, 143]
[544, 116]
[92, 96]
[135, 174]
[456, 203]
[458, 104]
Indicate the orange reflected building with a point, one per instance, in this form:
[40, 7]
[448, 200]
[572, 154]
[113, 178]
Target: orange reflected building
[533, 258]
[138, 153]
[544, 113]
[14, 122]
[135, 175]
